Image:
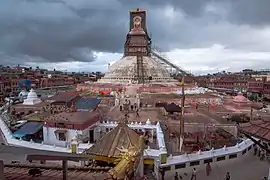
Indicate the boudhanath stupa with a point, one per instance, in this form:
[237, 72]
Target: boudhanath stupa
[137, 66]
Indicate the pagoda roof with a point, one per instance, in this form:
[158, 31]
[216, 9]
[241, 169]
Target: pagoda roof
[258, 129]
[120, 137]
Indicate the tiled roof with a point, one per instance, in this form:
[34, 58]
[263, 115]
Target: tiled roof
[258, 129]
[87, 103]
[74, 117]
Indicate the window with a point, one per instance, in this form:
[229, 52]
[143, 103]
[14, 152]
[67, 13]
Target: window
[207, 161]
[221, 158]
[168, 168]
[61, 136]
[60, 125]
[70, 126]
[194, 163]
[232, 156]
[179, 166]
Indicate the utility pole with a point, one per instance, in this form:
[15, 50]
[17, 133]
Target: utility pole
[182, 126]
[251, 113]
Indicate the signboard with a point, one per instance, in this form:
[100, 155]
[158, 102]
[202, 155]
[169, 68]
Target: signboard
[163, 158]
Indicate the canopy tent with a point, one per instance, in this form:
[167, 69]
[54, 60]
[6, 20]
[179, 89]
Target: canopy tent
[160, 104]
[172, 108]
[28, 129]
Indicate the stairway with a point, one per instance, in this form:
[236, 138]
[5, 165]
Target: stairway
[140, 70]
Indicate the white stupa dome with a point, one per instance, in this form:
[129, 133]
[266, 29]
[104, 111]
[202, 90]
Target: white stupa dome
[32, 98]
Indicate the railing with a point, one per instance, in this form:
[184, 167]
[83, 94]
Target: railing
[153, 153]
[186, 162]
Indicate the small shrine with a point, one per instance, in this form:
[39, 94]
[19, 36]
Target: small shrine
[240, 99]
[32, 98]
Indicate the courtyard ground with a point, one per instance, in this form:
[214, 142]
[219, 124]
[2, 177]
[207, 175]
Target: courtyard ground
[245, 168]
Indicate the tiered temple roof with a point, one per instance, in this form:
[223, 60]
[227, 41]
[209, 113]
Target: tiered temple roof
[120, 137]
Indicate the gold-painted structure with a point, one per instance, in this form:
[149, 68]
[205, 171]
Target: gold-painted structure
[121, 146]
[128, 162]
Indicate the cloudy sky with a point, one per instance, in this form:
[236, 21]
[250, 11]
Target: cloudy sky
[85, 35]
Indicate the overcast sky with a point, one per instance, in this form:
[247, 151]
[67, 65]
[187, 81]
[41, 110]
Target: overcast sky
[85, 35]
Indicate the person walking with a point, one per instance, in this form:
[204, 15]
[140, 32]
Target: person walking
[262, 156]
[193, 176]
[228, 176]
[255, 150]
[162, 173]
[176, 176]
[208, 169]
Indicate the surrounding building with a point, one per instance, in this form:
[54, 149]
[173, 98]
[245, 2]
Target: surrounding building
[250, 81]
[14, 79]
[135, 121]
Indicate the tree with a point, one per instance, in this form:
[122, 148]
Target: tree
[239, 118]
[253, 97]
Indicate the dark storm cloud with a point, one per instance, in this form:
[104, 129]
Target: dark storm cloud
[254, 12]
[71, 30]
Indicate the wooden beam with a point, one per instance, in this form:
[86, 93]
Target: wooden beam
[58, 158]
[2, 177]
[65, 169]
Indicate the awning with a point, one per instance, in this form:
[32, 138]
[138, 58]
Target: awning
[28, 129]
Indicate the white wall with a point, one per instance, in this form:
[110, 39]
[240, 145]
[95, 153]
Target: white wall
[50, 138]
[245, 146]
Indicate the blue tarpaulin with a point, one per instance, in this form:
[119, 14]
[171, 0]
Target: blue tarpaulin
[24, 83]
[28, 129]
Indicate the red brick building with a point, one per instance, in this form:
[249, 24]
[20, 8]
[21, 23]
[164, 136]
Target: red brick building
[232, 82]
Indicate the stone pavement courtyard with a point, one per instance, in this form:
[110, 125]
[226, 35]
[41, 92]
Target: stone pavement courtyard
[245, 168]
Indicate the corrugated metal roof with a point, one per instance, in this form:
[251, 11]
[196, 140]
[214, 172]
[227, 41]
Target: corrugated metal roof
[28, 128]
[87, 103]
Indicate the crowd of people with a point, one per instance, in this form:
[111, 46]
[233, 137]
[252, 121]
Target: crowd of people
[194, 174]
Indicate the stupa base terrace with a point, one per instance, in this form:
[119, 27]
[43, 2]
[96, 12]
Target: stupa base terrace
[146, 88]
